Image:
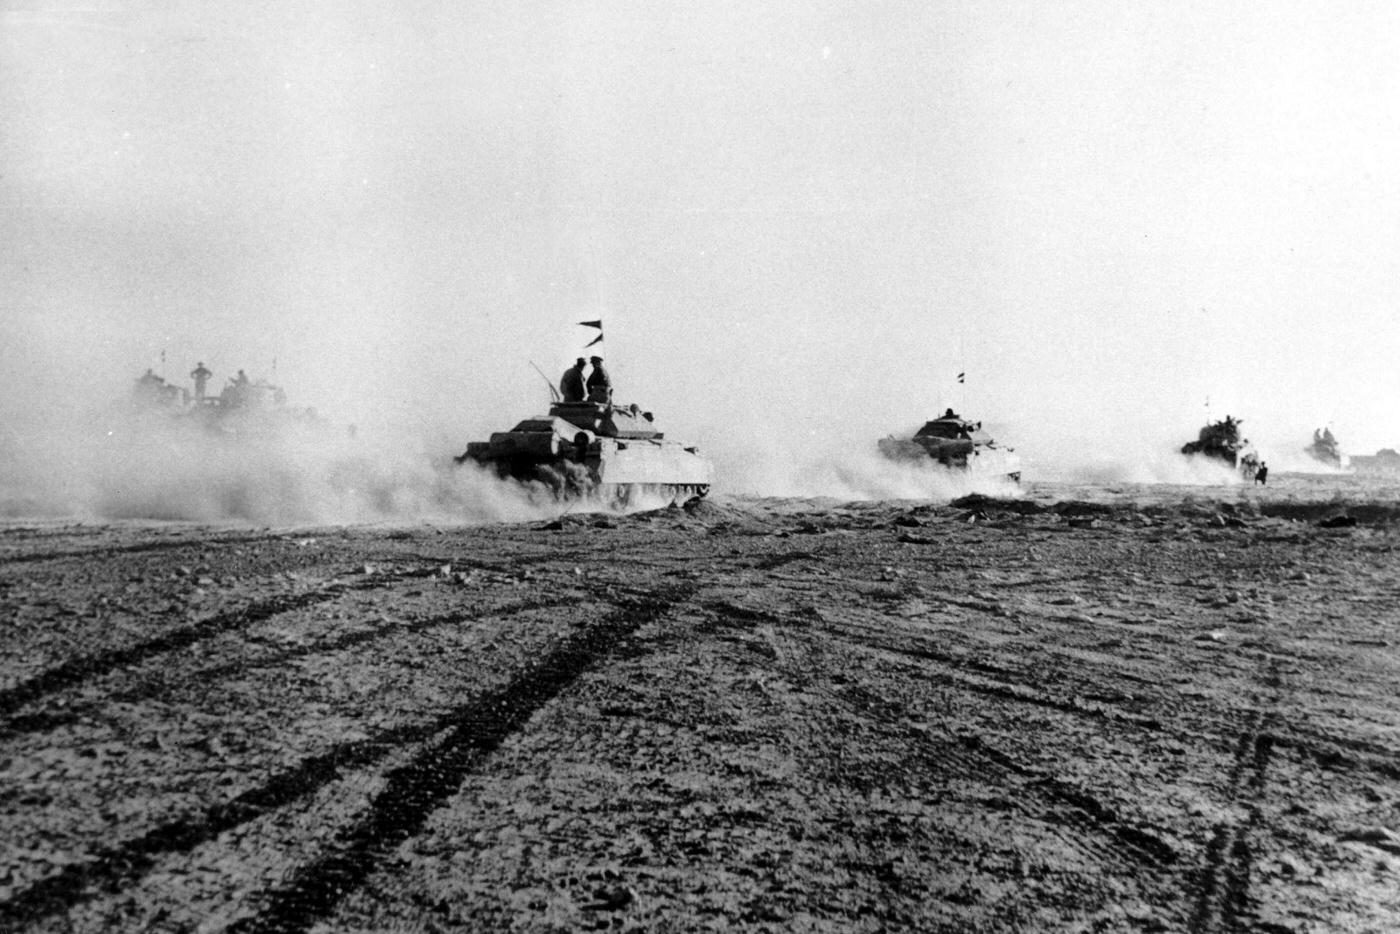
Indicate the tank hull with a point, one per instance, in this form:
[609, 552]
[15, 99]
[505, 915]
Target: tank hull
[588, 450]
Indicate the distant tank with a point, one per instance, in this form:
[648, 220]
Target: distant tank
[1324, 448]
[245, 407]
[152, 394]
[595, 450]
[955, 443]
[1222, 441]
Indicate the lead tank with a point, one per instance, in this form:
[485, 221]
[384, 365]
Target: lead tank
[595, 450]
[955, 443]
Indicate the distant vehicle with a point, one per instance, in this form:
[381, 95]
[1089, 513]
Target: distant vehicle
[1325, 449]
[1222, 441]
[955, 443]
[1384, 461]
[595, 450]
[244, 407]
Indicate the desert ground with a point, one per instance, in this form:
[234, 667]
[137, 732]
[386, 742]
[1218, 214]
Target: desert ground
[1084, 708]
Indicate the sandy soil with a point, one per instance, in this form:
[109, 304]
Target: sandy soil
[1090, 709]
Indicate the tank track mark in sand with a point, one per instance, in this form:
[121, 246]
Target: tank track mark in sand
[340, 643]
[75, 672]
[1005, 690]
[146, 548]
[1095, 822]
[1085, 813]
[114, 868]
[1089, 815]
[414, 791]
[1338, 752]
[1223, 899]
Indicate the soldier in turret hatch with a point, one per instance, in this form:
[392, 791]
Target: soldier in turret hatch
[571, 387]
[600, 387]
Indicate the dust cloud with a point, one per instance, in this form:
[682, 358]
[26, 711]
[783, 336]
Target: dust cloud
[797, 225]
[121, 464]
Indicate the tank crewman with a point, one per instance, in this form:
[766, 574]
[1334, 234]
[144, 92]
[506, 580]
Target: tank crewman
[1261, 476]
[571, 387]
[200, 374]
[236, 392]
[600, 388]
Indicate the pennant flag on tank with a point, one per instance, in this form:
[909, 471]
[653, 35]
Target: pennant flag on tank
[594, 324]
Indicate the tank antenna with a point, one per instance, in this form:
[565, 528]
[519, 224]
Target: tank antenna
[553, 393]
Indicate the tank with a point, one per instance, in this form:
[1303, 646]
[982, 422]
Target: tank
[244, 408]
[1222, 441]
[1325, 449]
[595, 450]
[955, 443]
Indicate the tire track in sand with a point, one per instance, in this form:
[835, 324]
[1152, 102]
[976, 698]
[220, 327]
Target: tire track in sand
[417, 789]
[45, 721]
[72, 673]
[1223, 896]
[106, 551]
[1099, 831]
[117, 867]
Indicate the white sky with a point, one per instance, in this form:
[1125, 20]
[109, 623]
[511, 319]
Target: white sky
[798, 221]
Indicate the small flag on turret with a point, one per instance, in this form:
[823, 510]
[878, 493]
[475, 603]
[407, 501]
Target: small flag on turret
[593, 324]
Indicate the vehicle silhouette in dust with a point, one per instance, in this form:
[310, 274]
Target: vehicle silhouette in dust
[1222, 441]
[1325, 449]
[244, 408]
[955, 443]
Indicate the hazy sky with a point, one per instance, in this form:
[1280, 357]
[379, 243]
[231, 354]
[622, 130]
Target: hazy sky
[799, 221]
